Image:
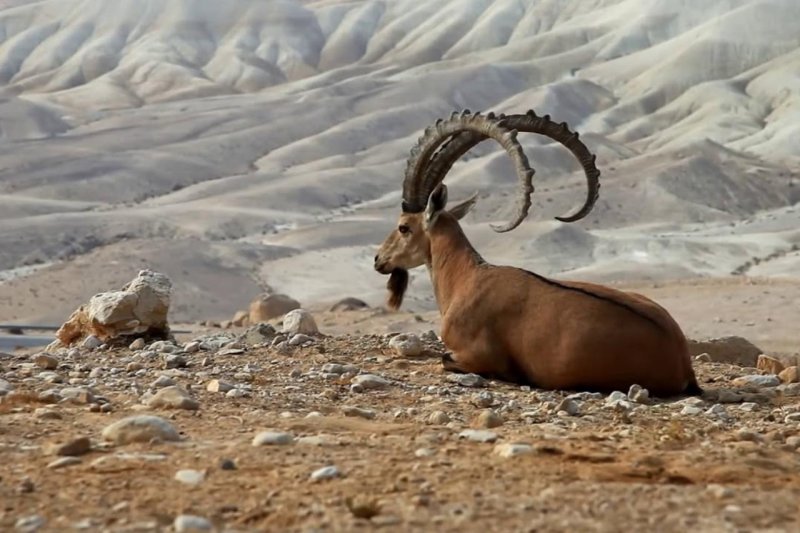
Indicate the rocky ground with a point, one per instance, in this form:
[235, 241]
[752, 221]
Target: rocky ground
[258, 432]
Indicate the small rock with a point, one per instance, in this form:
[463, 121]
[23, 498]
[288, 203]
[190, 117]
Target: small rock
[438, 418]
[236, 393]
[299, 321]
[751, 436]
[261, 333]
[691, 410]
[47, 414]
[138, 344]
[793, 417]
[173, 397]
[29, 524]
[512, 449]
[478, 435]
[757, 380]
[300, 339]
[187, 523]
[191, 347]
[78, 446]
[637, 394]
[91, 343]
[26, 486]
[370, 381]
[769, 364]
[720, 491]
[62, 462]
[717, 410]
[789, 375]
[703, 358]
[358, 412]
[227, 464]
[216, 385]
[326, 472]
[487, 419]
[190, 477]
[467, 380]
[406, 345]
[77, 395]
[161, 382]
[46, 361]
[174, 360]
[277, 438]
[483, 399]
[424, 452]
[140, 428]
[569, 406]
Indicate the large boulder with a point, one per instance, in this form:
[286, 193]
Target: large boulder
[139, 309]
[268, 306]
[732, 350]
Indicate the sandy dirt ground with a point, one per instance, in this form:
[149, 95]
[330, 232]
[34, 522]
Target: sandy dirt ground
[725, 462]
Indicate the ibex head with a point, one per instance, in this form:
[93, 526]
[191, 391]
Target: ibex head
[425, 196]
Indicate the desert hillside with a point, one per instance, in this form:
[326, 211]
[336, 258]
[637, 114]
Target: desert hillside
[243, 144]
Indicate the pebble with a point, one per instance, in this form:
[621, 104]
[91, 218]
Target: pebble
[278, 438]
[78, 446]
[299, 321]
[91, 343]
[161, 382]
[137, 344]
[191, 347]
[227, 464]
[78, 395]
[720, 491]
[467, 380]
[794, 417]
[187, 523]
[236, 393]
[406, 345]
[358, 412]
[217, 385]
[190, 477]
[512, 449]
[569, 406]
[62, 462]
[691, 410]
[174, 361]
[28, 524]
[46, 361]
[5, 387]
[717, 410]
[326, 472]
[757, 380]
[140, 428]
[487, 419]
[370, 381]
[478, 435]
[173, 397]
[484, 399]
[703, 358]
[299, 339]
[637, 394]
[46, 414]
[424, 452]
[438, 418]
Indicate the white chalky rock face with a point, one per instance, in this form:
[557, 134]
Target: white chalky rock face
[140, 306]
[140, 428]
[299, 321]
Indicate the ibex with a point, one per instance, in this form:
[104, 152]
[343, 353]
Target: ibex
[507, 323]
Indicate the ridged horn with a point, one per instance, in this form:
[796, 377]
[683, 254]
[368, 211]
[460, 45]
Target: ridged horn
[415, 191]
[458, 145]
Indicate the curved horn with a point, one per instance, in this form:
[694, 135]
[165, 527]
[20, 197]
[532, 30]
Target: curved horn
[529, 122]
[415, 194]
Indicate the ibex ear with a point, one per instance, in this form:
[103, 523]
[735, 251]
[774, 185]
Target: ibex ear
[436, 203]
[464, 207]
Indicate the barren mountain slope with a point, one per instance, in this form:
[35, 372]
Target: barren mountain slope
[233, 125]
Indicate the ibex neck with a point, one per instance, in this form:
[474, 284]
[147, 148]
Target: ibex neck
[452, 262]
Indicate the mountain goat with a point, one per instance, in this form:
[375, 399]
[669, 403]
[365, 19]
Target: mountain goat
[507, 323]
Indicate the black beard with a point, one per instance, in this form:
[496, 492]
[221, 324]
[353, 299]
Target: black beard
[397, 285]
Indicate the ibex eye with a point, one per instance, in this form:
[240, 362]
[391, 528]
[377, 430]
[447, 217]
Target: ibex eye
[403, 229]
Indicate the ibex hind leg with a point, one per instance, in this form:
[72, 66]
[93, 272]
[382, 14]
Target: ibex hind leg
[451, 365]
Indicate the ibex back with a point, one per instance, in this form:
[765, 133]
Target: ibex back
[510, 324]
